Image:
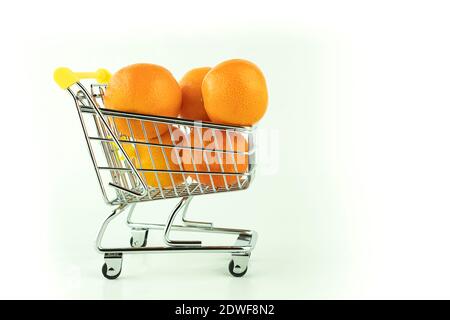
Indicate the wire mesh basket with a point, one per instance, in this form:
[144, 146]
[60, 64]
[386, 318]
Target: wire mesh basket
[149, 159]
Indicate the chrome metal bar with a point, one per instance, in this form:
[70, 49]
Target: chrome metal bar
[192, 228]
[240, 247]
[172, 146]
[206, 191]
[177, 249]
[177, 243]
[137, 194]
[168, 120]
[105, 224]
[187, 222]
[218, 173]
[130, 214]
[252, 155]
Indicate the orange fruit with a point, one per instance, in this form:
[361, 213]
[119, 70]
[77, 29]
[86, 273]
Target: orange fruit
[235, 92]
[213, 141]
[146, 89]
[161, 158]
[191, 88]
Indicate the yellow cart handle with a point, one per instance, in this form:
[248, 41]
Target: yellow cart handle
[65, 77]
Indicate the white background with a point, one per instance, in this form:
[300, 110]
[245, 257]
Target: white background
[359, 102]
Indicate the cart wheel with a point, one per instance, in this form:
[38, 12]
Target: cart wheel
[139, 238]
[113, 266]
[238, 265]
[109, 274]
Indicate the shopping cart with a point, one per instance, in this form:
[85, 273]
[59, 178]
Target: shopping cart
[118, 164]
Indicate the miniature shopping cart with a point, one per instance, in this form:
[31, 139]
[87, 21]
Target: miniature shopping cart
[123, 180]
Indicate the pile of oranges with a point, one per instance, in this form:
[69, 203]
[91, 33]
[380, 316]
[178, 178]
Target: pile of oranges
[233, 93]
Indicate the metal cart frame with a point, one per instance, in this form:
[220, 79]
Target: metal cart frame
[127, 177]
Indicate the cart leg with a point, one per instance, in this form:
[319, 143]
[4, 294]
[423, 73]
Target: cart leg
[185, 222]
[130, 214]
[191, 223]
[238, 265]
[105, 224]
[139, 235]
[113, 260]
[183, 202]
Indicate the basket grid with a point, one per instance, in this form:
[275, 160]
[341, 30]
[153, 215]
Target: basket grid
[154, 149]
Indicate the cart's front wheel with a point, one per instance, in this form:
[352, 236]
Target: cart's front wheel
[113, 265]
[110, 273]
[238, 265]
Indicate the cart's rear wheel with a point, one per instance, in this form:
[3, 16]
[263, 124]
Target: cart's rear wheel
[238, 265]
[139, 238]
